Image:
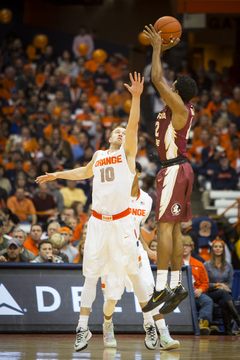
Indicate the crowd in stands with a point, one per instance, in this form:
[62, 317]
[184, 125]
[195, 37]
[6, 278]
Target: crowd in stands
[56, 110]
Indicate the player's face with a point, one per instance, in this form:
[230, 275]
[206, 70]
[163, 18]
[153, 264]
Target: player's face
[118, 136]
[218, 248]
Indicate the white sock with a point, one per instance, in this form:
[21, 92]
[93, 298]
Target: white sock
[175, 279]
[160, 324]
[82, 322]
[162, 276]
[147, 318]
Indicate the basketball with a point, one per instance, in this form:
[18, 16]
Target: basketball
[169, 27]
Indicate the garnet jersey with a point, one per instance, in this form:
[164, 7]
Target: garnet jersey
[140, 208]
[172, 143]
[112, 182]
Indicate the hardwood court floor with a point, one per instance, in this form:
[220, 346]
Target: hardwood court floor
[129, 347]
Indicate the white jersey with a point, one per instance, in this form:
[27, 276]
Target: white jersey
[112, 182]
[140, 208]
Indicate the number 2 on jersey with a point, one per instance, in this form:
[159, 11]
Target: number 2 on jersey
[107, 174]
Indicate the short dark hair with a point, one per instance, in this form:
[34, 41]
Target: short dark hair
[187, 88]
[138, 167]
[43, 242]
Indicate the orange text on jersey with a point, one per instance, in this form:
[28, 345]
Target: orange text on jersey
[109, 160]
[138, 212]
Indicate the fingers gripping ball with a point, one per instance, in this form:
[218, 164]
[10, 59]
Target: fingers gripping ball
[169, 27]
[143, 39]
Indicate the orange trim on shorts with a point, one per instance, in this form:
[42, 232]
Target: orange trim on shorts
[103, 286]
[139, 258]
[112, 217]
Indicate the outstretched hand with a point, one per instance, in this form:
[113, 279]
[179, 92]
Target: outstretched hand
[44, 178]
[137, 84]
[156, 40]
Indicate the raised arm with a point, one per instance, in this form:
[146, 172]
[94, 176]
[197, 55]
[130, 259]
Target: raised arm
[130, 144]
[172, 99]
[80, 173]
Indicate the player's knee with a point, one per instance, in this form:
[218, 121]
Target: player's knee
[139, 288]
[89, 292]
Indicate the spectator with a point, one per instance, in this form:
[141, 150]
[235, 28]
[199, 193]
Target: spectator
[52, 228]
[44, 167]
[83, 143]
[223, 113]
[3, 239]
[68, 249]
[44, 203]
[45, 250]
[148, 229]
[83, 38]
[204, 123]
[118, 97]
[110, 117]
[58, 242]
[220, 274]
[234, 106]
[26, 81]
[102, 78]
[55, 124]
[75, 90]
[80, 246]
[9, 81]
[4, 181]
[34, 239]
[13, 252]
[200, 284]
[22, 207]
[195, 152]
[57, 103]
[225, 140]
[21, 236]
[225, 178]
[215, 104]
[48, 57]
[203, 82]
[208, 151]
[211, 73]
[114, 65]
[226, 83]
[232, 151]
[54, 191]
[66, 62]
[153, 247]
[48, 156]
[61, 149]
[12, 174]
[86, 83]
[13, 103]
[70, 193]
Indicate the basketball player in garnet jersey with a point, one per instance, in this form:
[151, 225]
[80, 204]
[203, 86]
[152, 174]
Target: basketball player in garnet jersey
[113, 288]
[175, 179]
[111, 241]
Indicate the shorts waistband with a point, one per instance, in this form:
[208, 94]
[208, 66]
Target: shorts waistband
[175, 161]
[112, 217]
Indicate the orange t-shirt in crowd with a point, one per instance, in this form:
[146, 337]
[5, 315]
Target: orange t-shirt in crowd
[3, 142]
[225, 140]
[197, 132]
[92, 65]
[72, 140]
[30, 145]
[107, 121]
[40, 79]
[234, 107]
[49, 129]
[21, 209]
[78, 230]
[115, 71]
[212, 109]
[199, 274]
[4, 94]
[147, 235]
[196, 150]
[87, 87]
[30, 245]
[232, 154]
[8, 84]
[117, 99]
[11, 165]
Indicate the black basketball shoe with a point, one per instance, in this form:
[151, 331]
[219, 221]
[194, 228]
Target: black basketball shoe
[180, 294]
[158, 297]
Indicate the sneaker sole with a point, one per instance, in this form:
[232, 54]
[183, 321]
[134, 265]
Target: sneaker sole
[173, 306]
[84, 347]
[173, 346]
[205, 331]
[111, 345]
[87, 339]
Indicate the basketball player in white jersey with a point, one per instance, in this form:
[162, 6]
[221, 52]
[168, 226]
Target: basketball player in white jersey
[113, 288]
[111, 241]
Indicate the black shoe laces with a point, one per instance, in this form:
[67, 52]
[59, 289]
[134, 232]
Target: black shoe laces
[80, 335]
[151, 331]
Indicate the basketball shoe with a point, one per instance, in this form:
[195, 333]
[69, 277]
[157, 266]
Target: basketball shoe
[151, 338]
[166, 342]
[158, 297]
[82, 338]
[108, 335]
[180, 294]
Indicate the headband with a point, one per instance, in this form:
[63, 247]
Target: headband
[218, 240]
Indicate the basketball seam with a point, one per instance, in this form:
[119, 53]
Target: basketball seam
[168, 23]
